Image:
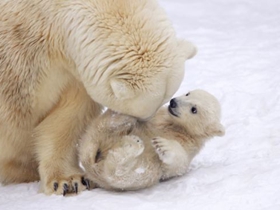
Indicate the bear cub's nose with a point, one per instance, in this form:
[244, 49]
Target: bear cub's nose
[173, 103]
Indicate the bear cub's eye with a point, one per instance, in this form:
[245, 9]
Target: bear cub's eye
[194, 110]
[188, 94]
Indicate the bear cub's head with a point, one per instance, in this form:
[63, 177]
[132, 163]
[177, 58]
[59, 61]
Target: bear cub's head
[198, 112]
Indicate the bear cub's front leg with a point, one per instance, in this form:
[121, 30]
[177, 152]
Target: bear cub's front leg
[175, 160]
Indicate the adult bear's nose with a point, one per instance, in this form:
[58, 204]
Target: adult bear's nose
[173, 103]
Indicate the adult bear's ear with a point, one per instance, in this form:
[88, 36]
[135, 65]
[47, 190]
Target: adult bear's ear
[121, 89]
[216, 129]
[187, 48]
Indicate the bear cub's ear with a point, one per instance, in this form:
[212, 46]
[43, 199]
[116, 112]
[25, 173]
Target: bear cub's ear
[216, 129]
[187, 48]
[121, 89]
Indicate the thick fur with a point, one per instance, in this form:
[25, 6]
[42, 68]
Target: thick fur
[120, 153]
[61, 61]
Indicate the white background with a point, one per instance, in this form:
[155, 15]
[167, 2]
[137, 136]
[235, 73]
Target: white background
[238, 62]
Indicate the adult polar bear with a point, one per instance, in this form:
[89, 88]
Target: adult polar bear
[60, 62]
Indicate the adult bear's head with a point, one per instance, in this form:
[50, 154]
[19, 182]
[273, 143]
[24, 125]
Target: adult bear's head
[127, 54]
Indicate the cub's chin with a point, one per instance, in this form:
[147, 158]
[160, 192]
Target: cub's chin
[172, 112]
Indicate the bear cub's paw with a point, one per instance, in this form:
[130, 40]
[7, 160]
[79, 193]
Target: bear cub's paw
[133, 145]
[164, 149]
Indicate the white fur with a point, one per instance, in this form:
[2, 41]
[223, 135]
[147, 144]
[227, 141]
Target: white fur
[167, 146]
[61, 61]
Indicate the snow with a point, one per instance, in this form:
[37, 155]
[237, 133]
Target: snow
[238, 61]
[140, 170]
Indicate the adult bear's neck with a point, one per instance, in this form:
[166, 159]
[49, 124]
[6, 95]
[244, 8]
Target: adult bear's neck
[83, 43]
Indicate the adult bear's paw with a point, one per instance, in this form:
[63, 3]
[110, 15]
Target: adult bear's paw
[65, 185]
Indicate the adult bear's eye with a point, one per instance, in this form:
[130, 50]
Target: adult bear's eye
[194, 110]
[188, 94]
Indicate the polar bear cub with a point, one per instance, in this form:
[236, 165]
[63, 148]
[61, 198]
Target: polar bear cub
[120, 152]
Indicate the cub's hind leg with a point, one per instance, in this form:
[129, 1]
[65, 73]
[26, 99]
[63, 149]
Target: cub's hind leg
[120, 162]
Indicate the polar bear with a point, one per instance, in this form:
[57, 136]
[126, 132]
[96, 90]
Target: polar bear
[61, 62]
[121, 153]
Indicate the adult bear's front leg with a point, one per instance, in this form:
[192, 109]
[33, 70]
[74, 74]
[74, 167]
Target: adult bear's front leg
[56, 139]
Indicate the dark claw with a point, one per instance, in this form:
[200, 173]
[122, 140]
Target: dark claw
[85, 182]
[65, 189]
[76, 188]
[55, 186]
[88, 185]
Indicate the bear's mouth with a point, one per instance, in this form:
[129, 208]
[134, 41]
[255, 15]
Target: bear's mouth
[171, 111]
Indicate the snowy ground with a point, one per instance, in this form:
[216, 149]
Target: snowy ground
[238, 61]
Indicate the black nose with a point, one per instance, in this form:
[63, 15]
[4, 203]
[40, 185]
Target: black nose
[173, 103]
